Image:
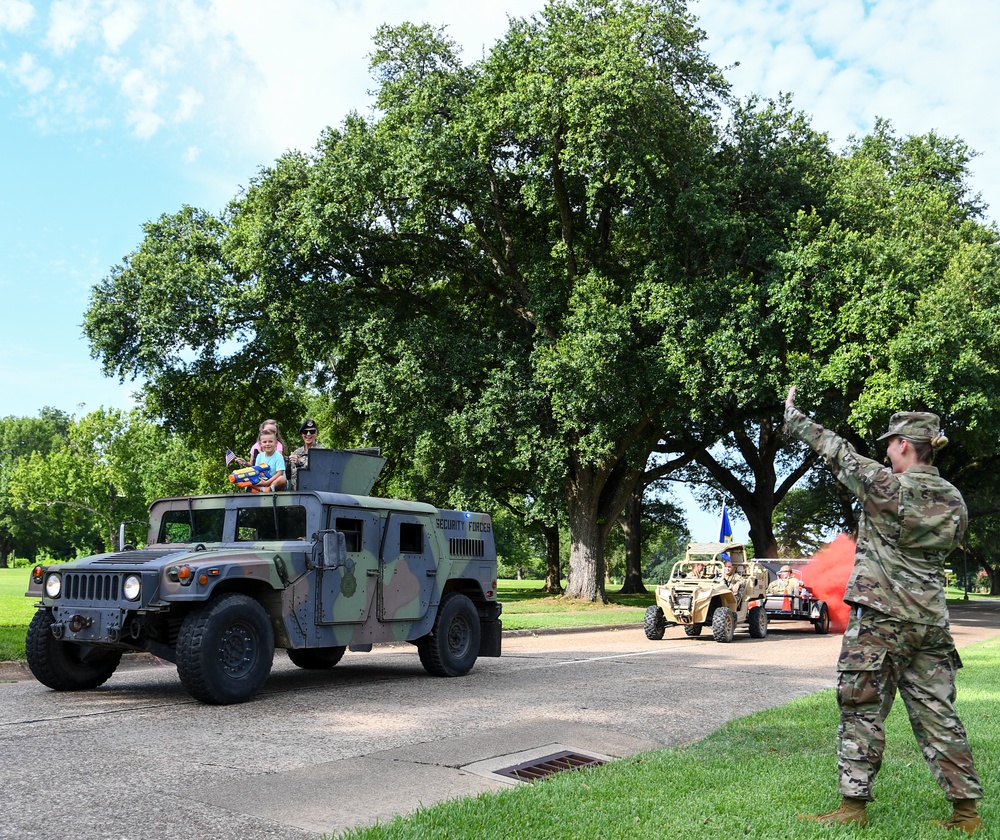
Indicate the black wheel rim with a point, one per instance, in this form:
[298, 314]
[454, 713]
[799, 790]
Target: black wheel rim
[458, 637]
[238, 650]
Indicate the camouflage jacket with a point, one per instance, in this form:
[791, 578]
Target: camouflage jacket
[910, 522]
[302, 453]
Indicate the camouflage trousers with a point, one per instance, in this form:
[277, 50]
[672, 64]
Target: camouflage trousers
[879, 656]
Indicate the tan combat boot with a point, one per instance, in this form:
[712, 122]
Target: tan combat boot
[965, 817]
[850, 811]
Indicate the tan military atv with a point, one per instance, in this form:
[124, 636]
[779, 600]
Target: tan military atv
[697, 596]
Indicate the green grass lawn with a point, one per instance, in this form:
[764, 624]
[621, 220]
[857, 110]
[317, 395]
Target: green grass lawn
[747, 780]
[525, 607]
[15, 612]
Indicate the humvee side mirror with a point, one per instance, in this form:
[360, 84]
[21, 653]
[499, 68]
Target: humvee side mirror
[334, 550]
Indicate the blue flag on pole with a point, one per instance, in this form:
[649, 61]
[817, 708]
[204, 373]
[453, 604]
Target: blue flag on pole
[725, 529]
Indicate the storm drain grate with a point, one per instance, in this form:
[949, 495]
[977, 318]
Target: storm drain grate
[540, 768]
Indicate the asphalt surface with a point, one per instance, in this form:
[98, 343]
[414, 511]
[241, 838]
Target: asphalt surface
[317, 753]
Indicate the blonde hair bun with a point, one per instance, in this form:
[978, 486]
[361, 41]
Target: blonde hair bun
[939, 442]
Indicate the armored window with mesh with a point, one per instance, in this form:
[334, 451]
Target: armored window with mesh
[466, 548]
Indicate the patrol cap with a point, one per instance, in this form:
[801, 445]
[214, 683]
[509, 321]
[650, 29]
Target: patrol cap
[915, 425]
[308, 426]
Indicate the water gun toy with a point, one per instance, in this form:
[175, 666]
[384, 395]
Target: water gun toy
[249, 477]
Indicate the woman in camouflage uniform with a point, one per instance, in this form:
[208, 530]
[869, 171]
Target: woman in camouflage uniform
[299, 459]
[898, 634]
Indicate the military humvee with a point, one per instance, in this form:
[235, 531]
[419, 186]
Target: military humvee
[225, 579]
[697, 597]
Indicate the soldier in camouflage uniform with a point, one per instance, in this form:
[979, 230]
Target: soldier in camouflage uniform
[785, 584]
[898, 634]
[733, 579]
[299, 459]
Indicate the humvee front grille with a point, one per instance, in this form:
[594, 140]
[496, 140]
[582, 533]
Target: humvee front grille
[91, 586]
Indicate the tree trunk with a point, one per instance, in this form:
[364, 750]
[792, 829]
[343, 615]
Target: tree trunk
[6, 549]
[553, 572]
[596, 496]
[632, 526]
[762, 532]
[586, 557]
[587, 538]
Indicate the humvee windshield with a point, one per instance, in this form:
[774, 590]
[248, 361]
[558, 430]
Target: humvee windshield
[207, 525]
[192, 526]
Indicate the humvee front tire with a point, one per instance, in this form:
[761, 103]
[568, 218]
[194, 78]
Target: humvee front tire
[225, 650]
[654, 623]
[317, 659]
[723, 624]
[757, 620]
[452, 646]
[66, 666]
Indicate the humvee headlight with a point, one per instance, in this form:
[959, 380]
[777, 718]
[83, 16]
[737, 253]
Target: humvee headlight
[53, 585]
[132, 587]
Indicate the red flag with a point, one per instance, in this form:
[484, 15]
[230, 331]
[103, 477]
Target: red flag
[827, 573]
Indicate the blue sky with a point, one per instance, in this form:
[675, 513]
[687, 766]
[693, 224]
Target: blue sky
[115, 111]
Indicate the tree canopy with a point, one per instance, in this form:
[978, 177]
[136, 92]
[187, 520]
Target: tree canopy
[524, 276]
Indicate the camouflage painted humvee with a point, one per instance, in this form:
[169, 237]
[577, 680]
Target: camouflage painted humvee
[225, 579]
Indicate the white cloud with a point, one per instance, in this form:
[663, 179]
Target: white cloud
[926, 65]
[143, 94]
[253, 78]
[30, 75]
[120, 24]
[69, 21]
[15, 15]
[188, 101]
[305, 68]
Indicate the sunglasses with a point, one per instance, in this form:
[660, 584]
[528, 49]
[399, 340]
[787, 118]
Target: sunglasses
[308, 432]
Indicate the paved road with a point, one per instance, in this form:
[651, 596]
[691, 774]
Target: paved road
[375, 736]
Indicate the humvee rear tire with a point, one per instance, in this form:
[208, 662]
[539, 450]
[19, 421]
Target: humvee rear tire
[757, 621]
[723, 624]
[66, 666]
[452, 646]
[654, 623]
[693, 629]
[225, 650]
[316, 659]
[822, 624]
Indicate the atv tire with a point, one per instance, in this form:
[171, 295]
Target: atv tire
[654, 623]
[723, 624]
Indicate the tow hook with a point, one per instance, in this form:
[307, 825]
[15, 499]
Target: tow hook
[78, 623]
[58, 630]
